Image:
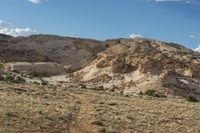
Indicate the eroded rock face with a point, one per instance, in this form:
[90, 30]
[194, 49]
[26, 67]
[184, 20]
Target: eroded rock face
[35, 68]
[146, 64]
[120, 66]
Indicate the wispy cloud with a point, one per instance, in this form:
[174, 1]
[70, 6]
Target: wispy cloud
[36, 1]
[182, 1]
[168, 0]
[134, 35]
[194, 36]
[10, 29]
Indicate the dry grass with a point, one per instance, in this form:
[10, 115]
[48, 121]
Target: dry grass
[34, 108]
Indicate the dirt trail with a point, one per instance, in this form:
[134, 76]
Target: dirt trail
[82, 123]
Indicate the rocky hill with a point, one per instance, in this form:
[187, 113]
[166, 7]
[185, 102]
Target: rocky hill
[71, 53]
[127, 66]
[137, 65]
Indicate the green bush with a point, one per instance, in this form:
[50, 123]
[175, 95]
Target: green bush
[153, 93]
[9, 78]
[191, 98]
[12, 79]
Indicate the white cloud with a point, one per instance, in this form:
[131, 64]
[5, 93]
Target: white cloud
[194, 36]
[35, 1]
[9, 29]
[168, 0]
[197, 49]
[183, 1]
[134, 35]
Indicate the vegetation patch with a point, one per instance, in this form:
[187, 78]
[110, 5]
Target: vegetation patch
[12, 79]
[1, 78]
[98, 123]
[191, 98]
[154, 93]
[1, 65]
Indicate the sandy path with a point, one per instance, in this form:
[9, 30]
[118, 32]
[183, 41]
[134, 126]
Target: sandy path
[82, 122]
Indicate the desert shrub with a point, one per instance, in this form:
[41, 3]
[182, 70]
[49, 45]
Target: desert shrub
[153, 93]
[191, 98]
[9, 78]
[19, 79]
[12, 79]
[1, 78]
[97, 122]
[141, 93]
[96, 88]
[83, 86]
[44, 83]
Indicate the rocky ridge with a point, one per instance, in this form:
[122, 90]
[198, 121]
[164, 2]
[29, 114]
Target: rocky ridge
[136, 65]
[127, 66]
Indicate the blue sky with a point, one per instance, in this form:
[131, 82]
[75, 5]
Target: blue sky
[169, 20]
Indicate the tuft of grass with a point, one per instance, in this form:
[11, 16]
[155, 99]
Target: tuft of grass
[153, 93]
[191, 98]
[13, 79]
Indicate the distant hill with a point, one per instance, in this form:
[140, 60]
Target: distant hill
[130, 66]
[71, 53]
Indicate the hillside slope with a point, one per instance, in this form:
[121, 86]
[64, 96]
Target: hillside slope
[71, 53]
[128, 66]
[136, 65]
